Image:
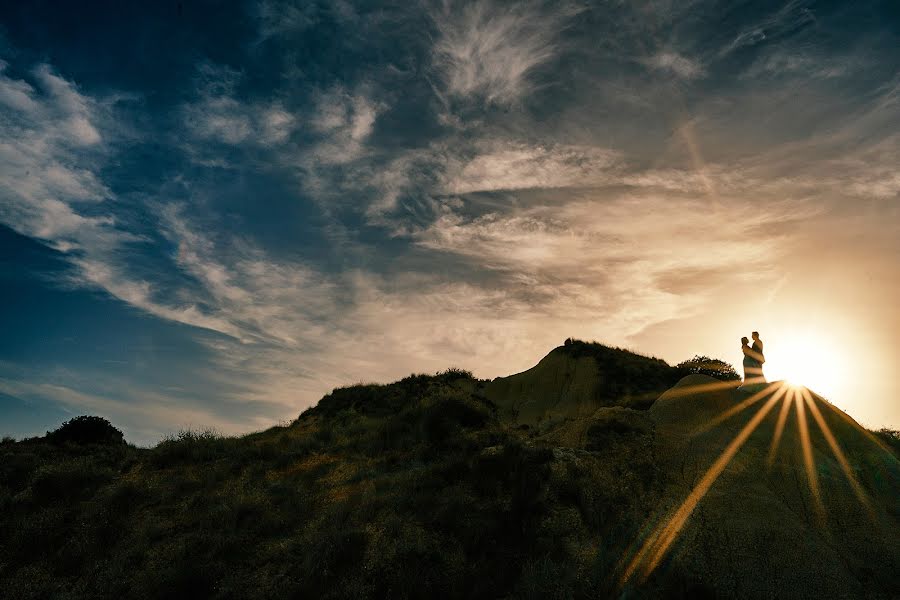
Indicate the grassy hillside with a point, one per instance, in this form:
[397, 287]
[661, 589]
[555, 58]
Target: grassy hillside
[576, 379]
[781, 506]
[421, 488]
[413, 489]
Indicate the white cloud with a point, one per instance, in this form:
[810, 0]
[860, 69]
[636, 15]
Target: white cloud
[587, 261]
[222, 118]
[69, 106]
[251, 297]
[674, 180]
[878, 183]
[277, 124]
[344, 121]
[676, 63]
[50, 156]
[50, 146]
[229, 121]
[490, 50]
[105, 272]
[341, 120]
[278, 18]
[797, 63]
[791, 17]
[513, 166]
[218, 115]
[16, 94]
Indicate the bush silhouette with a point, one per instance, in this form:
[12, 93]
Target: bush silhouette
[86, 430]
[891, 437]
[712, 367]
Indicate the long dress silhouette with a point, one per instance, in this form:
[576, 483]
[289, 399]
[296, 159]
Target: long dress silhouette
[753, 360]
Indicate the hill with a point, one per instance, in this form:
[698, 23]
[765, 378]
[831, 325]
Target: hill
[786, 485]
[578, 378]
[428, 487]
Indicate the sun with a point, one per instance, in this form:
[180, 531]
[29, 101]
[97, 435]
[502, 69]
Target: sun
[806, 360]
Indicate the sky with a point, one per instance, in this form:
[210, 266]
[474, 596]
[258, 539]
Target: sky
[212, 214]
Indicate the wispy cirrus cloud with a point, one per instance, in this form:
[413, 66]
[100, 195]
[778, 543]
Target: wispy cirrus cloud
[217, 115]
[284, 18]
[253, 294]
[491, 50]
[278, 18]
[51, 148]
[617, 275]
[371, 190]
[266, 312]
[517, 165]
[344, 121]
[332, 127]
[794, 16]
[675, 63]
[797, 63]
[53, 152]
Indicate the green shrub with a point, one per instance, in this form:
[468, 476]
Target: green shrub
[890, 437]
[190, 446]
[445, 418]
[612, 427]
[546, 578]
[16, 469]
[711, 367]
[69, 480]
[454, 373]
[86, 430]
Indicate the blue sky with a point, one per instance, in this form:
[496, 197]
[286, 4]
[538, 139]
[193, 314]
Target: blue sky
[213, 213]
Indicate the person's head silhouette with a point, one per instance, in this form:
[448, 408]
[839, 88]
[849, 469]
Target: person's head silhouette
[745, 341]
[755, 335]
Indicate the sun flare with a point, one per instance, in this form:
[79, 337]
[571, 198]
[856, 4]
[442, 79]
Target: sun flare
[804, 360]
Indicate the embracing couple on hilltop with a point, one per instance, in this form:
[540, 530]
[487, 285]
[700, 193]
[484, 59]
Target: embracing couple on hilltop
[753, 359]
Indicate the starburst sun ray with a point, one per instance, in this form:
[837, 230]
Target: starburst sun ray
[658, 543]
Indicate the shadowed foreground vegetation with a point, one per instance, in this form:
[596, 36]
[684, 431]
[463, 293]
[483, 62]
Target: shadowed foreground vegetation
[416, 489]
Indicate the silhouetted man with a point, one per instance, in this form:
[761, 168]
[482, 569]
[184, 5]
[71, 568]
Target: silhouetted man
[758, 348]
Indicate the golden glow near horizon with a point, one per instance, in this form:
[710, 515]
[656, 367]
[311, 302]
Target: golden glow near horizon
[803, 359]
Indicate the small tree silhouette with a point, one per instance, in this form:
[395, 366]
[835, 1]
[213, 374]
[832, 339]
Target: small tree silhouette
[891, 437]
[86, 430]
[712, 367]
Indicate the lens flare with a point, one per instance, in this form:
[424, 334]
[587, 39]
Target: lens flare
[659, 541]
[806, 360]
[656, 540]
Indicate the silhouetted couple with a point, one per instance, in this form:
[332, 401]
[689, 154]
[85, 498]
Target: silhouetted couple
[753, 359]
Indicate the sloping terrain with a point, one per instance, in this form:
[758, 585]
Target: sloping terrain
[410, 490]
[576, 379]
[801, 501]
[426, 488]
[758, 499]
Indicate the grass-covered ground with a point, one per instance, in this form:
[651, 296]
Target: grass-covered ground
[416, 489]
[413, 489]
